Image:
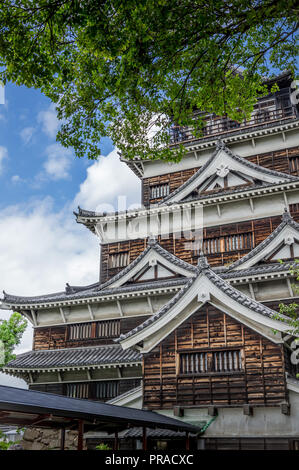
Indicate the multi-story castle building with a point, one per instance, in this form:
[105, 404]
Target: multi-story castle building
[189, 328]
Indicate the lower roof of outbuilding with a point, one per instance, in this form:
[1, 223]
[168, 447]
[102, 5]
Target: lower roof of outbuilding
[74, 358]
[30, 408]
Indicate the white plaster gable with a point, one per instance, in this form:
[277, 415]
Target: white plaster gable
[207, 287]
[225, 164]
[283, 243]
[153, 264]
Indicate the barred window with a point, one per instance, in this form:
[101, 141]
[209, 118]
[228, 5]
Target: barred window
[106, 390]
[80, 331]
[108, 329]
[94, 390]
[236, 242]
[211, 361]
[294, 164]
[93, 330]
[79, 390]
[159, 190]
[118, 260]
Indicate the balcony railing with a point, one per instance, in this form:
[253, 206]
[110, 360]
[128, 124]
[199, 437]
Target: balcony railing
[218, 126]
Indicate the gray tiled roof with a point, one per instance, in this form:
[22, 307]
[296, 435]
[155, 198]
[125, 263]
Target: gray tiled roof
[286, 220]
[224, 286]
[96, 289]
[74, 357]
[62, 296]
[152, 244]
[243, 161]
[269, 268]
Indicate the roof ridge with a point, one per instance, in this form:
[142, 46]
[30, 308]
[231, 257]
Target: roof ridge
[203, 267]
[287, 219]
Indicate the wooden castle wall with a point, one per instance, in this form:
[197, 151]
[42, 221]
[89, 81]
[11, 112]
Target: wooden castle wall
[56, 337]
[259, 230]
[280, 160]
[262, 380]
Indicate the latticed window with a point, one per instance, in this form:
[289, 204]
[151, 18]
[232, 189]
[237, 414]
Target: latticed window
[93, 330]
[211, 361]
[79, 390]
[105, 390]
[236, 242]
[294, 164]
[80, 331]
[159, 190]
[118, 260]
[107, 329]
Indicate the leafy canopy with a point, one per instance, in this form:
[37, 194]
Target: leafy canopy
[11, 332]
[117, 68]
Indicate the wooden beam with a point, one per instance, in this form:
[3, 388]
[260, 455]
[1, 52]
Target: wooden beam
[187, 441]
[120, 308]
[34, 317]
[39, 419]
[90, 311]
[80, 434]
[62, 438]
[116, 441]
[144, 439]
[62, 314]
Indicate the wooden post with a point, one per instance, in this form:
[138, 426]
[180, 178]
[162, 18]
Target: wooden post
[62, 438]
[187, 441]
[144, 439]
[80, 434]
[116, 441]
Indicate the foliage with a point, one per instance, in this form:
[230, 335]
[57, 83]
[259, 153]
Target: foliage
[11, 332]
[103, 446]
[5, 443]
[117, 68]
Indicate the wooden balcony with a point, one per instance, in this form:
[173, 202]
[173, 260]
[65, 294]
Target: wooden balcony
[219, 126]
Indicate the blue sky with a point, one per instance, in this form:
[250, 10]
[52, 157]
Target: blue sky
[41, 183]
[28, 127]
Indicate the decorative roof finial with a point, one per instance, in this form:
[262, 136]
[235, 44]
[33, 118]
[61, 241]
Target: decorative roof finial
[220, 144]
[202, 262]
[151, 241]
[286, 216]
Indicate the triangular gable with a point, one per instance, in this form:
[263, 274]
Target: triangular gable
[225, 170]
[206, 287]
[155, 263]
[283, 243]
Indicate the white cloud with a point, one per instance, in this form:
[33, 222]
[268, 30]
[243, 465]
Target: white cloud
[107, 179]
[27, 134]
[40, 251]
[48, 120]
[58, 162]
[3, 155]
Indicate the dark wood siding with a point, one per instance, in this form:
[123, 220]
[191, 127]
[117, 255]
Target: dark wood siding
[280, 160]
[256, 231]
[57, 337]
[262, 380]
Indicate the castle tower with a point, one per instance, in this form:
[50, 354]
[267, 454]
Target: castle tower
[184, 317]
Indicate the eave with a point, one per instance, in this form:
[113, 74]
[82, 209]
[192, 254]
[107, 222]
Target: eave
[203, 143]
[221, 198]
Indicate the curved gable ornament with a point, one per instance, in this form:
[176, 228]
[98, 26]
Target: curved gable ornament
[222, 163]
